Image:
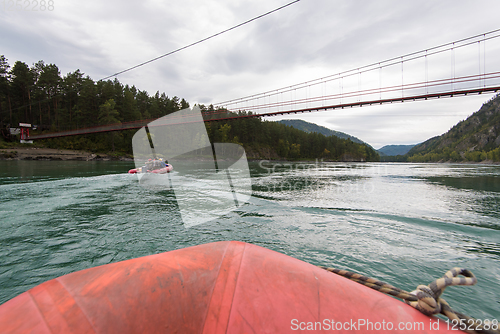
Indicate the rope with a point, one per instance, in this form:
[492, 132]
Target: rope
[426, 298]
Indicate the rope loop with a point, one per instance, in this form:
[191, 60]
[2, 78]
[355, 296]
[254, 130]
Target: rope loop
[426, 298]
[429, 301]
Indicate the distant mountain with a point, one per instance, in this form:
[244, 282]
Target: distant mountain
[311, 127]
[392, 150]
[475, 139]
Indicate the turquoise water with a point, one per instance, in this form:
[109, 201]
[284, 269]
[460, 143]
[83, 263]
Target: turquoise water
[406, 224]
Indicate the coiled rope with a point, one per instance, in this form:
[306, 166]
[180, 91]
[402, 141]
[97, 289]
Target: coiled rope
[426, 298]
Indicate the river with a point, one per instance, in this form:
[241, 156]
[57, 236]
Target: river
[406, 224]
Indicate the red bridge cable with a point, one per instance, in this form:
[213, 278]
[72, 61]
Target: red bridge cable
[366, 68]
[411, 86]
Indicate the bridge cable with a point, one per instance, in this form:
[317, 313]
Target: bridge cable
[395, 60]
[177, 50]
[201, 40]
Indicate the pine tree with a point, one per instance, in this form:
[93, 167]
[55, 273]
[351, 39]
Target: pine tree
[109, 115]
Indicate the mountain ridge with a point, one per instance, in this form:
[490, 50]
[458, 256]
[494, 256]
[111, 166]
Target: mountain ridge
[476, 139]
[392, 150]
[311, 127]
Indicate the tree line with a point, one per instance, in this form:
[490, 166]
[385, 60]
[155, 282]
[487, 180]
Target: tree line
[282, 141]
[40, 95]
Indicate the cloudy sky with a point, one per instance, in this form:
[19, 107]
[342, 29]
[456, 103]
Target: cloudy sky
[304, 41]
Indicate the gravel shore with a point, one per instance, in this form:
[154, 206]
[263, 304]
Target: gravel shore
[35, 153]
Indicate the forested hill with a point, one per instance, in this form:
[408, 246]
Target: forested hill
[40, 95]
[273, 140]
[311, 127]
[475, 139]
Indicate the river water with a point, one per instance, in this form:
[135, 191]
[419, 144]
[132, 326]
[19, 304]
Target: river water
[406, 224]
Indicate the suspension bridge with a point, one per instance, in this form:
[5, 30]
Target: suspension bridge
[460, 68]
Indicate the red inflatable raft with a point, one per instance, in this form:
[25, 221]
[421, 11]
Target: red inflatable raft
[167, 169]
[223, 287]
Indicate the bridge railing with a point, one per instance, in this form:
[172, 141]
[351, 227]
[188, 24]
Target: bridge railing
[95, 129]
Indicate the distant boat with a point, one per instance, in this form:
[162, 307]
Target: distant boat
[210, 179]
[153, 166]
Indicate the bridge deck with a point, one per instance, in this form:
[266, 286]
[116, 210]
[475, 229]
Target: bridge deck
[141, 123]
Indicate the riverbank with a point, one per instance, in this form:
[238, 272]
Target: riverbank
[39, 153]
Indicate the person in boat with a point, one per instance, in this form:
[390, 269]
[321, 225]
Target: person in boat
[153, 164]
[149, 165]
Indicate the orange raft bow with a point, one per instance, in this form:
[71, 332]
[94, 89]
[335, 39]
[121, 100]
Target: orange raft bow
[222, 287]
